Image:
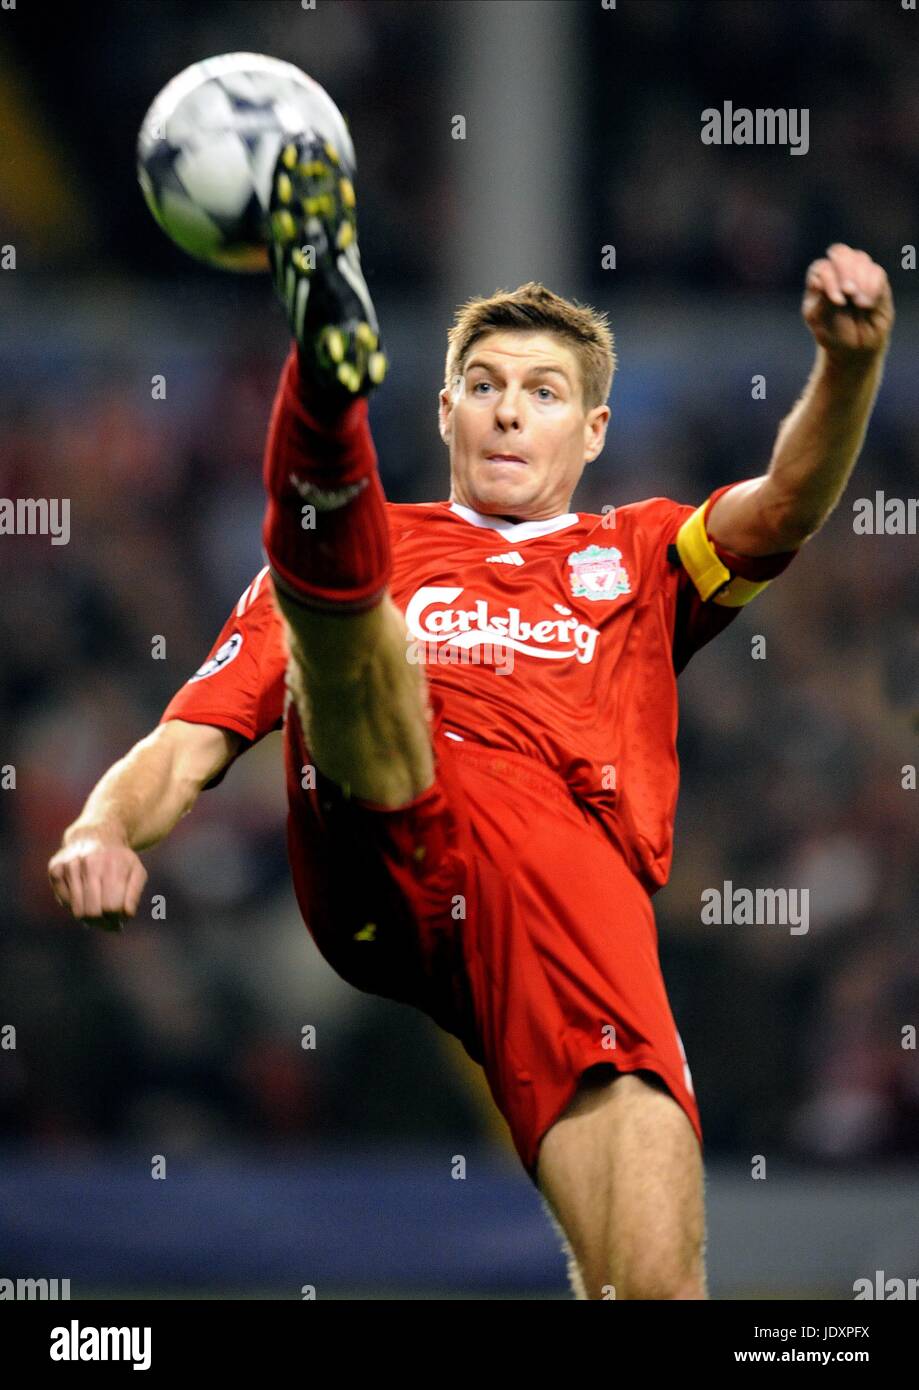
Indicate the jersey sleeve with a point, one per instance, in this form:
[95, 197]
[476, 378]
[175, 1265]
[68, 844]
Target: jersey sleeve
[713, 583]
[240, 686]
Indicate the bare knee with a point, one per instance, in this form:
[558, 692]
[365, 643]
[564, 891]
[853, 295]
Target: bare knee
[652, 1281]
[604, 1276]
[646, 1260]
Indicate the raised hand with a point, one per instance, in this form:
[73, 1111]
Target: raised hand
[848, 305]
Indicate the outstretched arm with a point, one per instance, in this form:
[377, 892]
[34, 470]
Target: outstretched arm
[97, 872]
[848, 307]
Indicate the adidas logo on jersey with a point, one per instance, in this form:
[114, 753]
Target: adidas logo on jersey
[511, 557]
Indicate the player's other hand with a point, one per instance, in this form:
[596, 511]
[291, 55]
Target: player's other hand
[848, 305]
[98, 877]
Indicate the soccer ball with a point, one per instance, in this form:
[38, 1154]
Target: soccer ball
[208, 146]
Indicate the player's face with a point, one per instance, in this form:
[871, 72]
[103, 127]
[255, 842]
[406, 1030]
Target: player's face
[519, 397]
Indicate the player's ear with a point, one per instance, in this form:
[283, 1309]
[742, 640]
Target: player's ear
[595, 424]
[445, 422]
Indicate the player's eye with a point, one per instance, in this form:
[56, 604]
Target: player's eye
[478, 384]
[546, 388]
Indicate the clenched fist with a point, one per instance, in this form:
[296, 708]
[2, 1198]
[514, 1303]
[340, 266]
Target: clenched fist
[98, 877]
[847, 303]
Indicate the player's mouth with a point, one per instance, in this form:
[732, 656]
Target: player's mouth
[506, 458]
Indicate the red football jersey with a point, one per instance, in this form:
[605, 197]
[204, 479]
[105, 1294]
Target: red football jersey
[558, 639]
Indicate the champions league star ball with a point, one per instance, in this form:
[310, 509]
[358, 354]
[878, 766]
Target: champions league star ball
[209, 144]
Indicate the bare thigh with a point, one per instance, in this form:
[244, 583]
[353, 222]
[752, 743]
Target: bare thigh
[622, 1174]
[364, 708]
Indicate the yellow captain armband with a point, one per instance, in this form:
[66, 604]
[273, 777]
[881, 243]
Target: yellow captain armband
[712, 579]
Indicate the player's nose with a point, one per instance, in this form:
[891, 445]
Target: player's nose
[508, 408]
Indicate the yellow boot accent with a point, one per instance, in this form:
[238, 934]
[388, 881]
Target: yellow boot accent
[376, 367]
[285, 224]
[335, 343]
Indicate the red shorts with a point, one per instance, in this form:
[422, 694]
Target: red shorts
[496, 904]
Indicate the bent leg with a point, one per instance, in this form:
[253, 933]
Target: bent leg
[364, 708]
[622, 1173]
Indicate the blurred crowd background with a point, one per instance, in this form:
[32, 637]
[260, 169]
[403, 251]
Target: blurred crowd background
[185, 1033]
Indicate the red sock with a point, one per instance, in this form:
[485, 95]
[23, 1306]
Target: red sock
[328, 550]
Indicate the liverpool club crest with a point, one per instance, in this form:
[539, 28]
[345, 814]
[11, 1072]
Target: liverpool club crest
[598, 572]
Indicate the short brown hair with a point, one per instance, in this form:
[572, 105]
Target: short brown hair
[532, 308]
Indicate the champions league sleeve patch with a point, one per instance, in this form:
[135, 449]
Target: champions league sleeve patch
[222, 657]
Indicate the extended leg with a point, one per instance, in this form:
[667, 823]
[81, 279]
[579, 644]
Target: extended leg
[363, 707]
